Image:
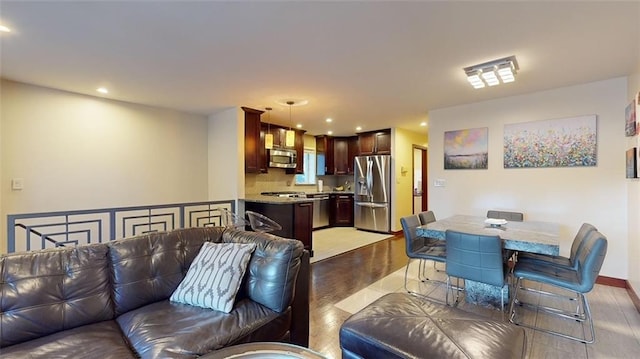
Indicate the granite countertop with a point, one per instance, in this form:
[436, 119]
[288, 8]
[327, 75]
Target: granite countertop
[287, 200]
[330, 192]
[274, 200]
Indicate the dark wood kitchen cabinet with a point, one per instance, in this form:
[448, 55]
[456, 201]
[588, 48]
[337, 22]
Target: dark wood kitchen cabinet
[296, 218]
[252, 144]
[324, 149]
[341, 210]
[341, 155]
[375, 142]
[352, 152]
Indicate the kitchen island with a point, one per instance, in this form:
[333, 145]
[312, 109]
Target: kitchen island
[295, 215]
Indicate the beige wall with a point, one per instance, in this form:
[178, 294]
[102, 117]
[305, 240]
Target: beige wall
[402, 187]
[633, 188]
[81, 152]
[226, 154]
[569, 196]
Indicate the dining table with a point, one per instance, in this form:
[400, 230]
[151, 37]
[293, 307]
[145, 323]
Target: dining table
[527, 236]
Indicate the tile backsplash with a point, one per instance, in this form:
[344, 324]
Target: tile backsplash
[277, 180]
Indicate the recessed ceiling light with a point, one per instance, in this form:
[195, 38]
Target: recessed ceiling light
[329, 132]
[4, 29]
[102, 90]
[359, 128]
[299, 125]
[329, 120]
[423, 124]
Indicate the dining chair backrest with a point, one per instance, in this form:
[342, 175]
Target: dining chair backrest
[426, 217]
[475, 257]
[412, 240]
[590, 259]
[578, 241]
[509, 216]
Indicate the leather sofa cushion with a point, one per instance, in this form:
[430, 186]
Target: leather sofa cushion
[273, 269]
[148, 268]
[47, 291]
[174, 330]
[399, 325]
[102, 340]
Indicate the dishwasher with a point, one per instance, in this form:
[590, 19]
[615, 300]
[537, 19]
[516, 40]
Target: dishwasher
[320, 210]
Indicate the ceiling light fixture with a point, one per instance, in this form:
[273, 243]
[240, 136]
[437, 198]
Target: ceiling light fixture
[4, 29]
[268, 137]
[492, 73]
[358, 128]
[290, 135]
[329, 120]
[102, 90]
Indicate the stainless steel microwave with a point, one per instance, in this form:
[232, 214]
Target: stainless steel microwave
[282, 158]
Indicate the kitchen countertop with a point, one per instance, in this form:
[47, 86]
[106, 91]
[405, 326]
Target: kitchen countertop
[287, 200]
[275, 200]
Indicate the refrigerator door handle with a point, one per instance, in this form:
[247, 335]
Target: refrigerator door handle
[370, 177]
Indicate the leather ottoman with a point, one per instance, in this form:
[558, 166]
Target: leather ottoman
[399, 325]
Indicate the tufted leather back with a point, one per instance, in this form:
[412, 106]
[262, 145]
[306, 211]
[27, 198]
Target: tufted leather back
[47, 291]
[148, 268]
[273, 268]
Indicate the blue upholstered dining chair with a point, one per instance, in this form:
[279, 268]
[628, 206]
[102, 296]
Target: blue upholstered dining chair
[426, 217]
[420, 248]
[509, 216]
[477, 258]
[579, 280]
[571, 261]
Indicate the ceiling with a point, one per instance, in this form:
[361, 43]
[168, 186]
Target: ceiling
[372, 64]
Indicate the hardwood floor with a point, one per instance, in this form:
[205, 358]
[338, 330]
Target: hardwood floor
[336, 278]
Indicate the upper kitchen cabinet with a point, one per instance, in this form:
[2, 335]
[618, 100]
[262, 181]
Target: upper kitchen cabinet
[253, 150]
[335, 154]
[375, 142]
[325, 155]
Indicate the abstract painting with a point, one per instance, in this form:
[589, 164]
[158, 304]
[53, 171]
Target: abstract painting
[632, 163]
[630, 117]
[466, 149]
[567, 142]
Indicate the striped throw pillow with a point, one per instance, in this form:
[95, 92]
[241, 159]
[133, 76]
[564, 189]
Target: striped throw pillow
[214, 277]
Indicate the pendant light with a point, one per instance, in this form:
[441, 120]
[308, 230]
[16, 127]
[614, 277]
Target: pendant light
[290, 135]
[268, 138]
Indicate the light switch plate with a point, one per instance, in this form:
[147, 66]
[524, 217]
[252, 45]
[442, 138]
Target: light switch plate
[17, 184]
[439, 182]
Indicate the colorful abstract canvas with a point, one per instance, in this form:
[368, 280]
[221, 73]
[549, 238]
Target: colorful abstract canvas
[632, 163]
[466, 149]
[630, 116]
[568, 142]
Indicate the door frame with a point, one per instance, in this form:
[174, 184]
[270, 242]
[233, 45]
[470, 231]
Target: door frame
[425, 194]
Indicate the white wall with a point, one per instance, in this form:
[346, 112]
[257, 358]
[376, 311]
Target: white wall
[633, 187]
[81, 152]
[569, 196]
[226, 154]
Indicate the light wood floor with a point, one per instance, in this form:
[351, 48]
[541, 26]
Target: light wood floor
[342, 285]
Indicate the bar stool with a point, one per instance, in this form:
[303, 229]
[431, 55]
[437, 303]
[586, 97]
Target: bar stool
[262, 223]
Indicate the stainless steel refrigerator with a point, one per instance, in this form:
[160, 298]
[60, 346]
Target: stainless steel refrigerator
[372, 210]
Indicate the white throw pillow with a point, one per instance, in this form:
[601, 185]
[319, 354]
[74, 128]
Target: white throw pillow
[215, 275]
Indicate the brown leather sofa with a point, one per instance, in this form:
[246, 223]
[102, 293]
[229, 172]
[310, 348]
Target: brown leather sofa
[111, 300]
